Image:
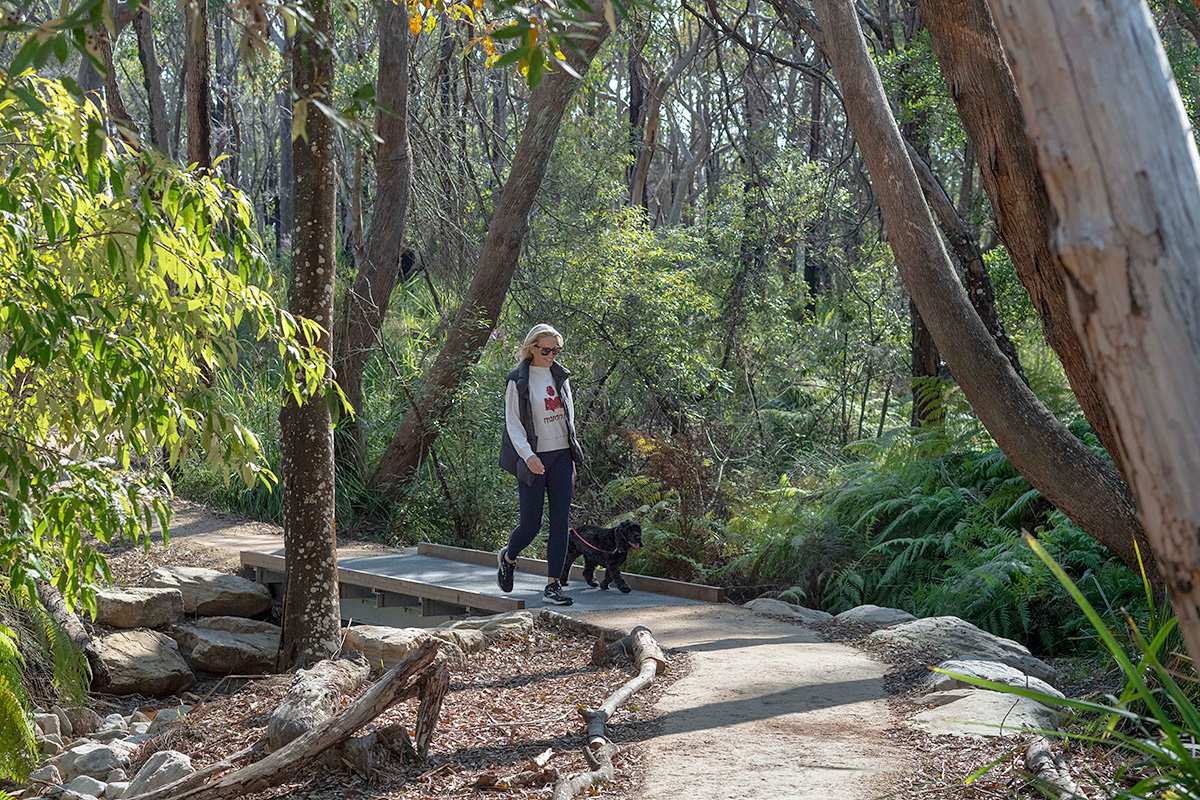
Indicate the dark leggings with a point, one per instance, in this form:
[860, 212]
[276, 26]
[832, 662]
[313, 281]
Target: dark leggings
[557, 482]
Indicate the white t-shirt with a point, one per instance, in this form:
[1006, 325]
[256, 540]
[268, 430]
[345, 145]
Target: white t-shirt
[549, 413]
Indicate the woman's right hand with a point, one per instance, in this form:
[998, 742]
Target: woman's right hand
[535, 464]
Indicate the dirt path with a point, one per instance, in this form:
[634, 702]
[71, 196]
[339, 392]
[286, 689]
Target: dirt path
[769, 710]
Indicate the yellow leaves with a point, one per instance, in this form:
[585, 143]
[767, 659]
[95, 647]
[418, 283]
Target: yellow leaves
[414, 24]
[300, 119]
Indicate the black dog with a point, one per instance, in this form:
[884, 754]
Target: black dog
[602, 547]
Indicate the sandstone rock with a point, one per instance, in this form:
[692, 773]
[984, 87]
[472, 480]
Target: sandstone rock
[50, 745]
[207, 592]
[48, 774]
[48, 724]
[982, 713]
[139, 607]
[989, 670]
[228, 645]
[90, 758]
[116, 790]
[514, 622]
[951, 637]
[85, 784]
[107, 735]
[114, 722]
[874, 616]
[167, 716]
[777, 608]
[83, 720]
[469, 641]
[70, 795]
[380, 644]
[144, 662]
[136, 717]
[116, 775]
[65, 728]
[139, 727]
[163, 768]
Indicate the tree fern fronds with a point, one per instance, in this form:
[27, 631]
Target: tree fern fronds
[18, 748]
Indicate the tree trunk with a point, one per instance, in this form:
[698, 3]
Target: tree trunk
[928, 410]
[477, 317]
[981, 84]
[143, 24]
[56, 606]
[1123, 174]
[311, 617]
[1077, 481]
[379, 262]
[287, 171]
[199, 101]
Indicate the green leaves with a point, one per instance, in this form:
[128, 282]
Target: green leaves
[129, 279]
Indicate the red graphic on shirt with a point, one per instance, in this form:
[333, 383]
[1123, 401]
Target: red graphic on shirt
[553, 403]
[550, 390]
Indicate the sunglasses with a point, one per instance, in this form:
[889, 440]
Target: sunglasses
[548, 350]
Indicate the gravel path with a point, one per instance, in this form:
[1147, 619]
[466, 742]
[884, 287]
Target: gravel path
[768, 711]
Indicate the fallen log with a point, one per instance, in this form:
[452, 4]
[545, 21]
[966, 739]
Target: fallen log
[398, 684]
[599, 752]
[589, 628]
[605, 652]
[65, 618]
[1051, 771]
[314, 697]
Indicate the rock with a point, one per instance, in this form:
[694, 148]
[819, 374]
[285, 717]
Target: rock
[90, 758]
[69, 795]
[989, 670]
[162, 768]
[65, 728]
[139, 607]
[951, 637]
[207, 592]
[107, 735]
[139, 727]
[875, 617]
[114, 722]
[48, 774]
[144, 662]
[165, 717]
[469, 641]
[136, 717]
[116, 790]
[83, 720]
[229, 645]
[48, 724]
[777, 608]
[381, 644]
[514, 622]
[116, 775]
[50, 745]
[982, 713]
[85, 784]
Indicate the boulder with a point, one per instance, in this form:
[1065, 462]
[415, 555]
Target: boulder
[514, 622]
[163, 768]
[469, 641]
[114, 722]
[144, 662]
[383, 645]
[777, 608]
[209, 593]
[50, 745]
[116, 775]
[987, 669]
[116, 790]
[139, 607]
[874, 617]
[982, 713]
[166, 716]
[136, 717]
[229, 645]
[85, 784]
[951, 637]
[89, 758]
[48, 724]
[65, 728]
[83, 720]
[48, 774]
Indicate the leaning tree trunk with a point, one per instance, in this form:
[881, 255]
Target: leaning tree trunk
[379, 261]
[477, 317]
[1123, 174]
[1077, 481]
[151, 77]
[981, 84]
[311, 617]
[199, 101]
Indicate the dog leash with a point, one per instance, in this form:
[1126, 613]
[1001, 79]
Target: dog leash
[589, 544]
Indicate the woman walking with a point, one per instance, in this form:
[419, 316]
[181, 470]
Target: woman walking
[539, 447]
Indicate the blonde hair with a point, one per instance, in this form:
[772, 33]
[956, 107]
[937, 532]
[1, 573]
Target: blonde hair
[531, 338]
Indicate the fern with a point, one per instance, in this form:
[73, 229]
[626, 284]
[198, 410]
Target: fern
[18, 748]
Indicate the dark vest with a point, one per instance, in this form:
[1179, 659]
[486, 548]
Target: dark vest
[509, 460]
